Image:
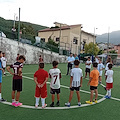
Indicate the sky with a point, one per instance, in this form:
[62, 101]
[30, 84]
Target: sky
[100, 14]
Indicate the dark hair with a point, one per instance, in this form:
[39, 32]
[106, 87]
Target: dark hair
[54, 63]
[41, 65]
[110, 66]
[3, 53]
[109, 59]
[0, 52]
[76, 62]
[95, 64]
[40, 55]
[88, 57]
[22, 57]
[18, 54]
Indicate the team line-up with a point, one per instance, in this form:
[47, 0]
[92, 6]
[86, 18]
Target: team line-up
[41, 77]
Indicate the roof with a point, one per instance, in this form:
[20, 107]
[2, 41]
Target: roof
[89, 33]
[57, 29]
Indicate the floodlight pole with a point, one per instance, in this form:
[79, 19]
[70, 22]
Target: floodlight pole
[94, 36]
[80, 37]
[19, 27]
[59, 39]
[108, 40]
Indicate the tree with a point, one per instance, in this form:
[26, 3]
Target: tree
[114, 57]
[91, 48]
[100, 52]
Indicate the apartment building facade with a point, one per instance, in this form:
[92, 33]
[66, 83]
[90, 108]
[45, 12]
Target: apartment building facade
[70, 37]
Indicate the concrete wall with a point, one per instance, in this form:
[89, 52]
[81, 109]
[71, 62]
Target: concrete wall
[11, 48]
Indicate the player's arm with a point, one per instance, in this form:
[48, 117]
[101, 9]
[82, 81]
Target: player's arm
[44, 82]
[71, 79]
[20, 72]
[8, 69]
[81, 81]
[35, 79]
[89, 81]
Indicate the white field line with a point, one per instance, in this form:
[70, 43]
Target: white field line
[33, 74]
[32, 107]
[83, 105]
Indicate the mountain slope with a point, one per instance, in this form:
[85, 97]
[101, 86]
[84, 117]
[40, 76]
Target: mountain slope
[114, 37]
[29, 30]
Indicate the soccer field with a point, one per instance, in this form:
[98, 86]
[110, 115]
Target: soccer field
[108, 109]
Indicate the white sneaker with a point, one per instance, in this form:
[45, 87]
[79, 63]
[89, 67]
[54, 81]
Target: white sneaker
[44, 106]
[67, 104]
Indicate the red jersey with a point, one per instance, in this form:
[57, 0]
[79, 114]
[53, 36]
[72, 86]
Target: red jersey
[16, 67]
[41, 75]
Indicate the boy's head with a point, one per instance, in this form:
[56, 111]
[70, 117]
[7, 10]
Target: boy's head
[95, 64]
[76, 63]
[71, 54]
[89, 58]
[21, 59]
[54, 63]
[41, 65]
[18, 54]
[1, 54]
[110, 66]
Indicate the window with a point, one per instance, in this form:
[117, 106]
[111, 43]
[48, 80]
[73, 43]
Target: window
[57, 39]
[75, 41]
[43, 39]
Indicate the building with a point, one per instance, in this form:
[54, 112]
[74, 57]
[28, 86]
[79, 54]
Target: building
[70, 37]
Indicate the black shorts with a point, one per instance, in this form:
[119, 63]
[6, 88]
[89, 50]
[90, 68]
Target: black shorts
[87, 70]
[75, 88]
[93, 87]
[53, 91]
[3, 68]
[17, 85]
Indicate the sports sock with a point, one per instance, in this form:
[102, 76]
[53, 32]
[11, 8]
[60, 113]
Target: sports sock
[109, 92]
[43, 101]
[0, 96]
[13, 100]
[37, 101]
[17, 102]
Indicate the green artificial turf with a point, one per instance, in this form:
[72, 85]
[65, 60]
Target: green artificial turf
[107, 109]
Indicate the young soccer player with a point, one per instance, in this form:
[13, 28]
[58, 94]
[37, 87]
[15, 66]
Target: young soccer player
[40, 78]
[1, 99]
[93, 81]
[109, 81]
[75, 82]
[109, 61]
[55, 76]
[88, 67]
[100, 69]
[4, 60]
[17, 80]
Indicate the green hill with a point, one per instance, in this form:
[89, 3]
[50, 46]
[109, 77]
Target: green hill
[29, 30]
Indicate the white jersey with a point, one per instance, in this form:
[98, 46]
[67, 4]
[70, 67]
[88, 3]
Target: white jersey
[106, 68]
[88, 62]
[4, 60]
[55, 76]
[76, 73]
[100, 67]
[96, 60]
[109, 74]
